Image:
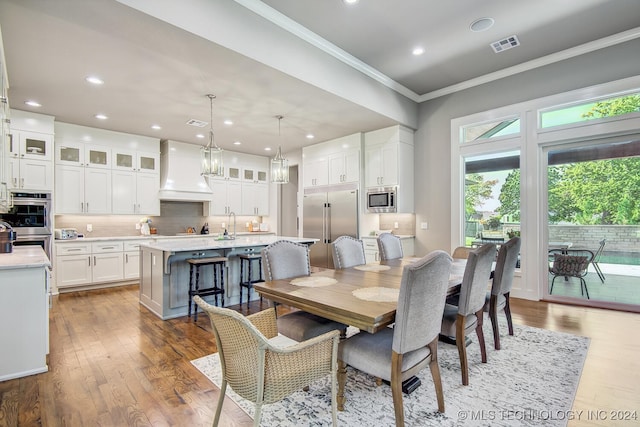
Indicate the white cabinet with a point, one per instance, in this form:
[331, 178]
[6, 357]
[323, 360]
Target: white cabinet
[226, 197]
[82, 189]
[256, 176]
[388, 161]
[30, 164]
[372, 253]
[136, 161]
[316, 172]
[344, 167]
[131, 260]
[135, 193]
[82, 264]
[255, 199]
[80, 154]
[4, 135]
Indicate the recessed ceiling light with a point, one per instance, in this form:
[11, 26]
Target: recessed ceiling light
[94, 80]
[228, 122]
[32, 103]
[237, 143]
[267, 149]
[481, 24]
[101, 117]
[310, 136]
[350, 1]
[417, 51]
[156, 127]
[199, 135]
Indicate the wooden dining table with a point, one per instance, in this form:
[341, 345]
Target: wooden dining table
[336, 301]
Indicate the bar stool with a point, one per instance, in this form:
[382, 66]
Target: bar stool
[246, 262]
[218, 264]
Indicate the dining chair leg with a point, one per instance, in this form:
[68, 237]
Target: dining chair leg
[480, 334]
[342, 378]
[435, 373]
[493, 315]
[396, 387]
[258, 415]
[223, 389]
[462, 349]
[584, 284]
[507, 313]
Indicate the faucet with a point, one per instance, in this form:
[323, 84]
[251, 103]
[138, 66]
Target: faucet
[234, 223]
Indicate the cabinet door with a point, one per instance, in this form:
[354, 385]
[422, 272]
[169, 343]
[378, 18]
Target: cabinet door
[71, 153]
[262, 200]
[389, 171]
[352, 166]
[13, 173]
[234, 197]
[148, 162]
[36, 175]
[97, 157]
[73, 270]
[147, 187]
[132, 265]
[373, 166]
[316, 172]
[97, 191]
[123, 192]
[255, 199]
[218, 204]
[336, 169]
[69, 190]
[107, 267]
[35, 146]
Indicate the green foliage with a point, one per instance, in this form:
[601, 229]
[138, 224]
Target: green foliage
[510, 195]
[476, 191]
[614, 107]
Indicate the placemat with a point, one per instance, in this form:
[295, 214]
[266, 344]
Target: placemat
[372, 267]
[377, 294]
[314, 281]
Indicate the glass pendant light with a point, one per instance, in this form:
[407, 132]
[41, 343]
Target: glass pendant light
[212, 164]
[279, 165]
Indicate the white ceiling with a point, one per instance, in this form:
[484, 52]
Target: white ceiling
[157, 73]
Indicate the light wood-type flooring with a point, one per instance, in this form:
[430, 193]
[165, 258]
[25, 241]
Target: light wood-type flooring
[113, 363]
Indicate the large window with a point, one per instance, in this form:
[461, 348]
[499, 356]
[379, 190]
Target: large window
[608, 107]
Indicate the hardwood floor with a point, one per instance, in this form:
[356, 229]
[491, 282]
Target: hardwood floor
[113, 363]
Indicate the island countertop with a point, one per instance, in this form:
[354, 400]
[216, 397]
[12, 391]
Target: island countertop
[24, 257]
[204, 243]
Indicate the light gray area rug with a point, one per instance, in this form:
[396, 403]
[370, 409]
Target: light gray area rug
[531, 381]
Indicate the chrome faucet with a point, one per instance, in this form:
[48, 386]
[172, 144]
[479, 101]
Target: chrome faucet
[234, 223]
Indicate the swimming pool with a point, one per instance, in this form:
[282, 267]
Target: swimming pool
[626, 258]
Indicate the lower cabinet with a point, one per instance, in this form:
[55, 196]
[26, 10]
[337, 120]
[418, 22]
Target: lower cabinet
[372, 254]
[85, 264]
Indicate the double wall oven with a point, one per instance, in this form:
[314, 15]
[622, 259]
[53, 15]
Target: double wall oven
[30, 218]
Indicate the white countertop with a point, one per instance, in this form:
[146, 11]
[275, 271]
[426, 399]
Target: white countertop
[24, 257]
[401, 236]
[153, 237]
[179, 245]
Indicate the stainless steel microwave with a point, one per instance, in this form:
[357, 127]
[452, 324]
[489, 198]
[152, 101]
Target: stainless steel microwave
[382, 200]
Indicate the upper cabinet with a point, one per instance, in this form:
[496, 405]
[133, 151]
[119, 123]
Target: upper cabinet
[30, 152]
[332, 162]
[388, 155]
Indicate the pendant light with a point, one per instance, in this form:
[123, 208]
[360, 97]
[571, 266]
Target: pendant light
[279, 165]
[212, 164]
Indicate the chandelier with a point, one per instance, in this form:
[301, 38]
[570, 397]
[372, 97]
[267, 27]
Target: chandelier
[212, 164]
[279, 165]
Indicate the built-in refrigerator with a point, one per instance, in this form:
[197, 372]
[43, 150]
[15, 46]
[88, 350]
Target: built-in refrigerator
[327, 216]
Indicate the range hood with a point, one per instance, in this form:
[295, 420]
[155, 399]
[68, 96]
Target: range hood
[180, 178]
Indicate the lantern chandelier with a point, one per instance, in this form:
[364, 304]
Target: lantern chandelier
[279, 165]
[212, 163]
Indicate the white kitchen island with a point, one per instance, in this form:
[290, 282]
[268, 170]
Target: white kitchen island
[24, 312]
[164, 272]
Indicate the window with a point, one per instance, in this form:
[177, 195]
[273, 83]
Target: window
[494, 129]
[608, 107]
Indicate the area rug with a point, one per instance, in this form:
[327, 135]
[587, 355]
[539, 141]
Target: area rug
[531, 381]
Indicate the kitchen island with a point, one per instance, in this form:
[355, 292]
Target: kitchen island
[24, 312]
[164, 272]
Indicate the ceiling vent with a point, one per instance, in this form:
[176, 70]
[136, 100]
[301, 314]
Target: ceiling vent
[505, 44]
[196, 123]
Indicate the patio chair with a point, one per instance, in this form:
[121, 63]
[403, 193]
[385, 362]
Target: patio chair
[570, 263]
[389, 246]
[596, 259]
[261, 371]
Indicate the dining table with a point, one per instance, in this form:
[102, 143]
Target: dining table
[363, 296]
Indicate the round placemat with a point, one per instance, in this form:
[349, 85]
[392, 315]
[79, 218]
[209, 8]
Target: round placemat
[314, 281]
[372, 267]
[377, 294]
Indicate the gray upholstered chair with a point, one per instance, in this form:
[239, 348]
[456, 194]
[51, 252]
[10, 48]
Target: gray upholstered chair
[398, 353]
[389, 246]
[459, 320]
[498, 298]
[347, 252]
[258, 369]
[461, 252]
[285, 259]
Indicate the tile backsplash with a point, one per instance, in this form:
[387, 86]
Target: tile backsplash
[406, 223]
[175, 218]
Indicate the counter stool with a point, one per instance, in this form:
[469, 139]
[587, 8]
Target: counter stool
[246, 262]
[218, 264]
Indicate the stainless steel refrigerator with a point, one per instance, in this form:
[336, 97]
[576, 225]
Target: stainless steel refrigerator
[327, 216]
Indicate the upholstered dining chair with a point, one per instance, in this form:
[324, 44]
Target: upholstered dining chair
[389, 246]
[498, 298]
[347, 252]
[398, 353]
[570, 263]
[261, 371]
[458, 320]
[285, 259]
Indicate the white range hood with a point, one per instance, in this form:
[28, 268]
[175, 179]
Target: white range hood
[180, 178]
